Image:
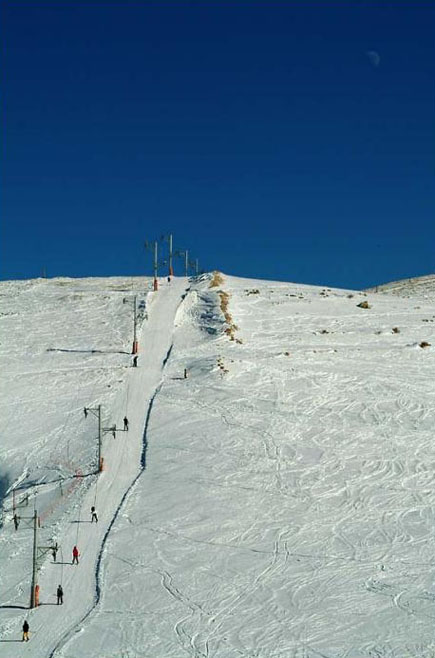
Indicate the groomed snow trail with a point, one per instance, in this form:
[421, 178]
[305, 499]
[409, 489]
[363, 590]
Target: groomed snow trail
[124, 459]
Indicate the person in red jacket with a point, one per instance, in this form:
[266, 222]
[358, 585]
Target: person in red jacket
[75, 555]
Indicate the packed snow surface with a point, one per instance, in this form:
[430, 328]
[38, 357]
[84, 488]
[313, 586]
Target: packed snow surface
[278, 502]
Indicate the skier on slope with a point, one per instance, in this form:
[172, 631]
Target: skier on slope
[94, 516]
[59, 595]
[16, 521]
[76, 554]
[126, 423]
[54, 550]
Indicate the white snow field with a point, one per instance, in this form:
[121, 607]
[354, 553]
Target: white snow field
[279, 502]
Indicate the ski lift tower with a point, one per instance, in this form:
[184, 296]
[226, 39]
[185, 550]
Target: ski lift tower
[184, 254]
[169, 239]
[154, 246]
[194, 264]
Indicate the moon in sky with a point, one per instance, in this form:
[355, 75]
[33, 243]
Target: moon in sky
[373, 57]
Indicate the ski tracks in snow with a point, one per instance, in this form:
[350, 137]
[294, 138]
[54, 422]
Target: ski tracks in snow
[326, 438]
[315, 475]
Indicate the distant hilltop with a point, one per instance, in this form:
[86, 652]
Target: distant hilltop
[418, 285]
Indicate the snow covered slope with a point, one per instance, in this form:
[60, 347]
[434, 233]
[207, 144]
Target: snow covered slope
[277, 502]
[416, 286]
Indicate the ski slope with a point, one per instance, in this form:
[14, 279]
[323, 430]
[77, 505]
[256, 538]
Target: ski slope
[277, 502]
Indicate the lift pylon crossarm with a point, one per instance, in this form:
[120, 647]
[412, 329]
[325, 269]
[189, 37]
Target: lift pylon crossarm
[29, 518]
[41, 552]
[92, 410]
[113, 430]
[47, 548]
[24, 502]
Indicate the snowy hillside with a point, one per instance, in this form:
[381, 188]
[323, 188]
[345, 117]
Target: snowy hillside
[416, 286]
[279, 502]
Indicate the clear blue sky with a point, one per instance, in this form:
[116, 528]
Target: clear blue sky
[277, 139]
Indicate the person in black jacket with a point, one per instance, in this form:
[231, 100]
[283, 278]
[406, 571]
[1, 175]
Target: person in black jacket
[25, 631]
[94, 516]
[125, 424]
[59, 595]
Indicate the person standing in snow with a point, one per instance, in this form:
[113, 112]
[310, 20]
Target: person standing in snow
[54, 550]
[26, 631]
[76, 554]
[59, 595]
[16, 521]
[126, 423]
[94, 516]
[85, 411]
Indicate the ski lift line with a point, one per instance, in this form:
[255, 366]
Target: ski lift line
[75, 403]
[127, 396]
[67, 420]
[78, 526]
[69, 415]
[61, 566]
[96, 492]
